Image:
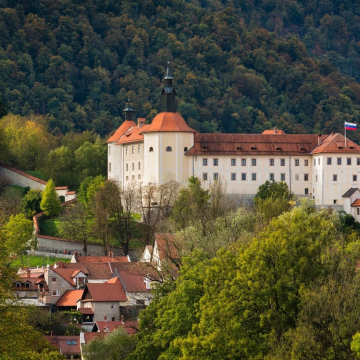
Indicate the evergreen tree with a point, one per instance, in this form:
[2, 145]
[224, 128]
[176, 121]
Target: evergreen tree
[50, 202]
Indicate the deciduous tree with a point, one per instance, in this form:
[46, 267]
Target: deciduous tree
[50, 202]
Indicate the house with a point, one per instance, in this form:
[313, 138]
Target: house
[69, 346]
[322, 167]
[68, 301]
[29, 284]
[130, 327]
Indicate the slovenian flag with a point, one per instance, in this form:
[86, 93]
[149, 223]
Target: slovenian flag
[350, 126]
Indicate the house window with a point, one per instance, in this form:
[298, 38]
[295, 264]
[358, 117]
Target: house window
[139, 149]
[243, 176]
[296, 176]
[339, 161]
[113, 318]
[133, 166]
[185, 149]
[140, 302]
[204, 162]
[328, 161]
[139, 165]
[253, 176]
[334, 177]
[18, 284]
[233, 162]
[306, 191]
[205, 176]
[358, 161]
[55, 292]
[306, 162]
[216, 176]
[127, 167]
[272, 177]
[271, 162]
[126, 150]
[297, 162]
[335, 201]
[282, 177]
[282, 162]
[233, 176]
[253, 162]
[306, 177]
[348, 161]
[133, 149]
[243, 162]
[27, 285]
[354, 177]
[53, 279]
[168, 149]
[215, 162]
[109, 167]
[112, 306]
[151, 149]
[358, 211]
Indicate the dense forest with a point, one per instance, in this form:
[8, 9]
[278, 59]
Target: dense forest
[239, 66]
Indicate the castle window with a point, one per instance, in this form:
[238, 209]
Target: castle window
[133, 149]
[133, 177]
[358, 161]
[328, 161]
[297, 162]
[272, 177]
[339, 161]
[358, 211]
[127, 150]
[233, 162]
[233, 176]
[109, 167]
[271, 162]
[139, 165]
[205, 177]
[127, 167]
[334, 177]
[205, 162]
[306, 162]
[354, 177]
[168, 149]
[306, 177]
[243, 162]
[348, 161]
[216, 176]
[185, 149]
[318, 161]
[282, 177]
[243, 176]
[314, 162]
[335, 201]
[139, 149]
[127, 178]
[296, 176]
[282, 162]
[306, 191]
[215, 162]
[139, 176]
[253, 176]
[109, 149]
[151, 149]
[316, 178]
[253, 162]
[133, 166]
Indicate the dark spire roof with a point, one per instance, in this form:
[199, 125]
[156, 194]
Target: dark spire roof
[128, 111]
[168, 92]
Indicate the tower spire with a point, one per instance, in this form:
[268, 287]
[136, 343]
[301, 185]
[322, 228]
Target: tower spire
[128, 111]
[168, 92]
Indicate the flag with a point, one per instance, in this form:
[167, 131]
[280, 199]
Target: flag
[350, 126]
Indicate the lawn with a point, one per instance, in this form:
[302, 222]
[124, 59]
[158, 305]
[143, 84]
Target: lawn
[37, 174]
[50, 227]
[34, 261]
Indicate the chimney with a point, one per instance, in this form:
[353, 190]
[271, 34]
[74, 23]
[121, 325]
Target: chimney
[27, 272]
[111, 254]
[274, 130]
[141, 122]
[105, 317]
[122, 319]
[319, 139]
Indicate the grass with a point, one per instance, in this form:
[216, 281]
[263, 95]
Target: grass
[34, 261]
[14, 191]
[50, 227]
[37, 174]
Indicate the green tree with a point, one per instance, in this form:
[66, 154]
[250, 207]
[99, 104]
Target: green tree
[50, 202]
[30, 203]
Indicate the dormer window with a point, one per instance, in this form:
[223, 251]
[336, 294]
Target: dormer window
[204, 147]
[278, 148]
[238, 148]
[302, 149]
[253, 148]
[151, 149]
[168, 149]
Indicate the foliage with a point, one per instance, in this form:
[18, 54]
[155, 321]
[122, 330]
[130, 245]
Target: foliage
[110, 347]
[35, 261]
[30, 203]
[50, 202]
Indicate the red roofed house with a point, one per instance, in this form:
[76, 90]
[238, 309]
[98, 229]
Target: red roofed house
[322, 167]
[69, 346]
[103, 300]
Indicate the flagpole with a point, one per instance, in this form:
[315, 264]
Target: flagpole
[345, 132]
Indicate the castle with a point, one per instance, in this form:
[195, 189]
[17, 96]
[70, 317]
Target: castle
[323, 167]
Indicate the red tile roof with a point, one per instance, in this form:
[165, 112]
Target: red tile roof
[130, 327]
[106, 292]
[168, 121]
[132, 277]
[70, 297]
[68, 345]
[65, 274]
[273, 132]
[89, 336]
[167, 246]
[253, 144]
[86, 311]
[356, 203]
[335, 143]
[133, 135]
[93, 271]
[125, 126]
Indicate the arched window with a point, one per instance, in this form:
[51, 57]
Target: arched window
[168, 148]
[185, 149]
[151, 149]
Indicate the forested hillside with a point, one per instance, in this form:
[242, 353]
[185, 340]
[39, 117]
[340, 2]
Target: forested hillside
[240, 66]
